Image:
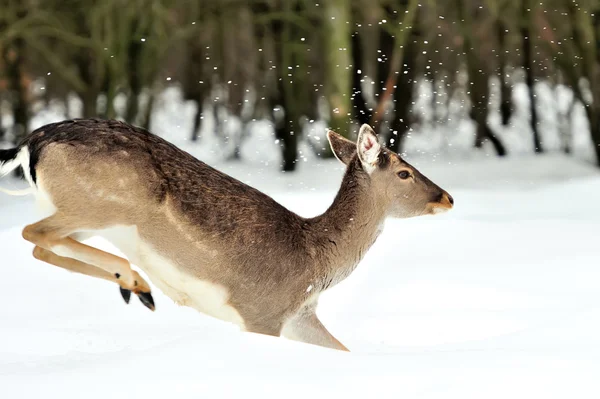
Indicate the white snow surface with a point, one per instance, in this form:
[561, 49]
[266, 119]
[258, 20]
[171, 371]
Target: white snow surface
[499, 298]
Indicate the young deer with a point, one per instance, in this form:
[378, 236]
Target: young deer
[205, 239]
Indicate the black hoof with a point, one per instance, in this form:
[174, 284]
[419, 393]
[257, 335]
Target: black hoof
[125, 293]
[146, 299]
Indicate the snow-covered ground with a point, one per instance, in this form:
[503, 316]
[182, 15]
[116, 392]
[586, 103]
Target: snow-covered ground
[500, 298]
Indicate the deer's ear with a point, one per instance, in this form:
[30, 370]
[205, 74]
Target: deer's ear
[368, 148]
[343, 148]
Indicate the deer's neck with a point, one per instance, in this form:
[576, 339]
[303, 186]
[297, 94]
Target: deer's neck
[345, 232]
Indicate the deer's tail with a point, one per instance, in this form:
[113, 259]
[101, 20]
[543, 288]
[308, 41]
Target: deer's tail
[12, 159]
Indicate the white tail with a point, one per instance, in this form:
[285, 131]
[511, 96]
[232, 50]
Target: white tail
[205, 239]
[12, 159]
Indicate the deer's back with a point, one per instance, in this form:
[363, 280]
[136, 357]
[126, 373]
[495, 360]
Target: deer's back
[155, 170]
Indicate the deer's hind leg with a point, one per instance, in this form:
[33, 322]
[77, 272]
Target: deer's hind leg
[76, 266]
[306, 327]
[57, 248]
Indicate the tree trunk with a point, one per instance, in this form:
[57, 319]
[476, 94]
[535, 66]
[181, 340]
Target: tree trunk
[479, 96]
[147, 117]
[384, 63]
[586, 35]
[403, 95]
[287, 130]
[479, 90]
[84, 65]
[529, 73]
[338, 48]
[359, 103]
[284, 131]
[134, 52]
[197, 121]
[593, 115]
[13, 55]
[193, 89]
[506, 108]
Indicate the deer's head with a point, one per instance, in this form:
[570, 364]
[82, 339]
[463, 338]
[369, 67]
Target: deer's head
[402, 189]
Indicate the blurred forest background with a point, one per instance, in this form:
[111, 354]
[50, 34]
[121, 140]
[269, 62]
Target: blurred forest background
[401, 65]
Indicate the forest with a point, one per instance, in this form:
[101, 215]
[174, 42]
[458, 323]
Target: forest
[493, 106]
[293, 62]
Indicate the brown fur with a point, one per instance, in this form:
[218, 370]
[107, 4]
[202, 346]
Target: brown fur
[214, 228]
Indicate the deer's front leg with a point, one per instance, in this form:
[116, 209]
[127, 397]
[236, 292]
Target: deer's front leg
[306, 327]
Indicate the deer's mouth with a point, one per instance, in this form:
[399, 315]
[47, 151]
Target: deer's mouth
[434, 210]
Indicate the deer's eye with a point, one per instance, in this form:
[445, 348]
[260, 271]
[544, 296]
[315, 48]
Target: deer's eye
[405, 174]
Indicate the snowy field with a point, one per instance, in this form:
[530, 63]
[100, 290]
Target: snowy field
[499, 298]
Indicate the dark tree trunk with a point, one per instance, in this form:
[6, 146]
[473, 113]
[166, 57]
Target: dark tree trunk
[594, 122]
[197, 121]
[529, 75]
[193, 89]
[13, 55]
[147, 117]
[596, 138]
[478, 86]
[133, 106]
[479, 95]
[403, 95]
[384, 65]
[289, 144]
[359, 103]
[506, 108]
[89, 97]
[286, 130]
[484, 132]
[386, 45]
[135, 80]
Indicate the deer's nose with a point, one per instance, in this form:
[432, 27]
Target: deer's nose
[445, 200]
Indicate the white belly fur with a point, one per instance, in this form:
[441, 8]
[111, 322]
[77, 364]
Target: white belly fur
[204, 296]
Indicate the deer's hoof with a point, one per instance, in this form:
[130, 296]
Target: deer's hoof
[125, 293]
[147, 300]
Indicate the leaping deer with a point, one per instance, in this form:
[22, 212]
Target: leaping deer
[205, 239]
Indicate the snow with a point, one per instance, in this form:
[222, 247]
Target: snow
[498, 298]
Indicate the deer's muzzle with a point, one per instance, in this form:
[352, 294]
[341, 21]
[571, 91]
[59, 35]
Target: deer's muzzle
[443, 203]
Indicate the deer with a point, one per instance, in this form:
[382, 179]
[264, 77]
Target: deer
[205, 239]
